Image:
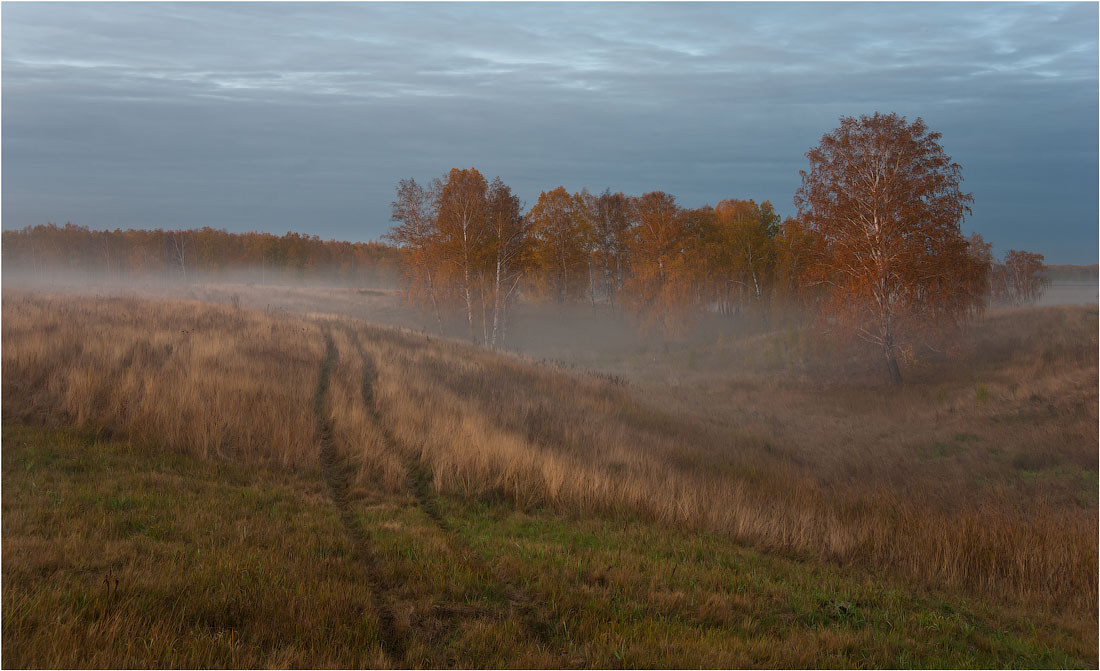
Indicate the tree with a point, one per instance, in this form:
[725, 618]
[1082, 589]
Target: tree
[508, 242]
[463, 228]
[885, 199]
[415, 211]
[611, 235]
[703, 244]
[797, 282]
[664, 278]
[560, 236]
[1021, 279]
[980, 282]
[745, 248]
[179, 250]
[464, 242]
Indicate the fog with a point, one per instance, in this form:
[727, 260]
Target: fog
[575, 334]
[23, 273]
[1070, 293]
[579, 333]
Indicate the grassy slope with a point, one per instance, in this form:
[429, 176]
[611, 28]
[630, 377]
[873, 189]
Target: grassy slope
[114, 556]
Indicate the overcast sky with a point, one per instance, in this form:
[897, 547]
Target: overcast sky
[303, 117]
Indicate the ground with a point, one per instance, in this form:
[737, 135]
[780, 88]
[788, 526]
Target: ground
[121, 557]
[199, 485]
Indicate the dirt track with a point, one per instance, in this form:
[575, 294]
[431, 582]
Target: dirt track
[336, 476]
[537, 621]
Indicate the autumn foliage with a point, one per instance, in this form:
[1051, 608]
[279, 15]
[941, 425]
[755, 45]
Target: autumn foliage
[876, 250]
[885, 200]
[469, 253]
[561, 239]
[465, 240]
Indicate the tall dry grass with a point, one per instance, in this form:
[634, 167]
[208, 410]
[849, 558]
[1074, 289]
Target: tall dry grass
[488, 425]
[185, 376]
[237, 384]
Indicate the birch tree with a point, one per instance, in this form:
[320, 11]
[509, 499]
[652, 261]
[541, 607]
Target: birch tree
[463, 229]
[885, 199]
[508, 242]
[178, 250]
[611, 235]
[664, 277]
[560, 232]
[1020, 279]
[417, 232]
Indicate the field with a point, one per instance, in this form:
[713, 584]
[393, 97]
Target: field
[244, 477]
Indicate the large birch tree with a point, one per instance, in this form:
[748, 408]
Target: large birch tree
[885, 199]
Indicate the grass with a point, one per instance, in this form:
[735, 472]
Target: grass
[118, 556]
[723, 460]
[774, 447]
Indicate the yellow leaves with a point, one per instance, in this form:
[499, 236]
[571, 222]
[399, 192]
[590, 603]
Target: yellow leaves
[561, 238]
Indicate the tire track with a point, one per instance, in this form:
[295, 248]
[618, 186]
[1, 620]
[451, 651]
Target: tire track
[336, 476]
[524, 608]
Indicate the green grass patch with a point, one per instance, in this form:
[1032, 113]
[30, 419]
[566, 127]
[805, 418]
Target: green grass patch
[981, 393]
[120, 557]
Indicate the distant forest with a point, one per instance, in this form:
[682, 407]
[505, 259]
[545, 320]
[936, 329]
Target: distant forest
[59, 252]
[1073, 274]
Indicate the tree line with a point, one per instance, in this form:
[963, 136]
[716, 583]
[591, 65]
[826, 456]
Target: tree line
[1017, 280]
[50, 250]
[876, 250]
[470, 248]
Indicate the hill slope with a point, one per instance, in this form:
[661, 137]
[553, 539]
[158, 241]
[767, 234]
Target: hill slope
[530, 483]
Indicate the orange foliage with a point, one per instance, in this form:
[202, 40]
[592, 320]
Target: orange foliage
[561, 237]
[663, 279]
[885, 199]
[465, 241]
[876, 250]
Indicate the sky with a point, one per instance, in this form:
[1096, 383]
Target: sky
[303, 117]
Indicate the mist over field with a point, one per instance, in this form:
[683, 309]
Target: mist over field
[578, 333]
[1069, 293]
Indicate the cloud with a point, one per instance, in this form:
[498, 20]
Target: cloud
[304, 116]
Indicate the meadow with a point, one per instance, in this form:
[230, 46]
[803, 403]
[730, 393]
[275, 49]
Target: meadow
[739, 499]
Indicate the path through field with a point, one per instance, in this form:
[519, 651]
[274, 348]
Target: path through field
[336, 477]
[536, 620]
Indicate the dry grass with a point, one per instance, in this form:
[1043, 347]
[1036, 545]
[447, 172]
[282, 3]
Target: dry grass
[492, 426]
[122, 557]
[178, 375]
[965, 479]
